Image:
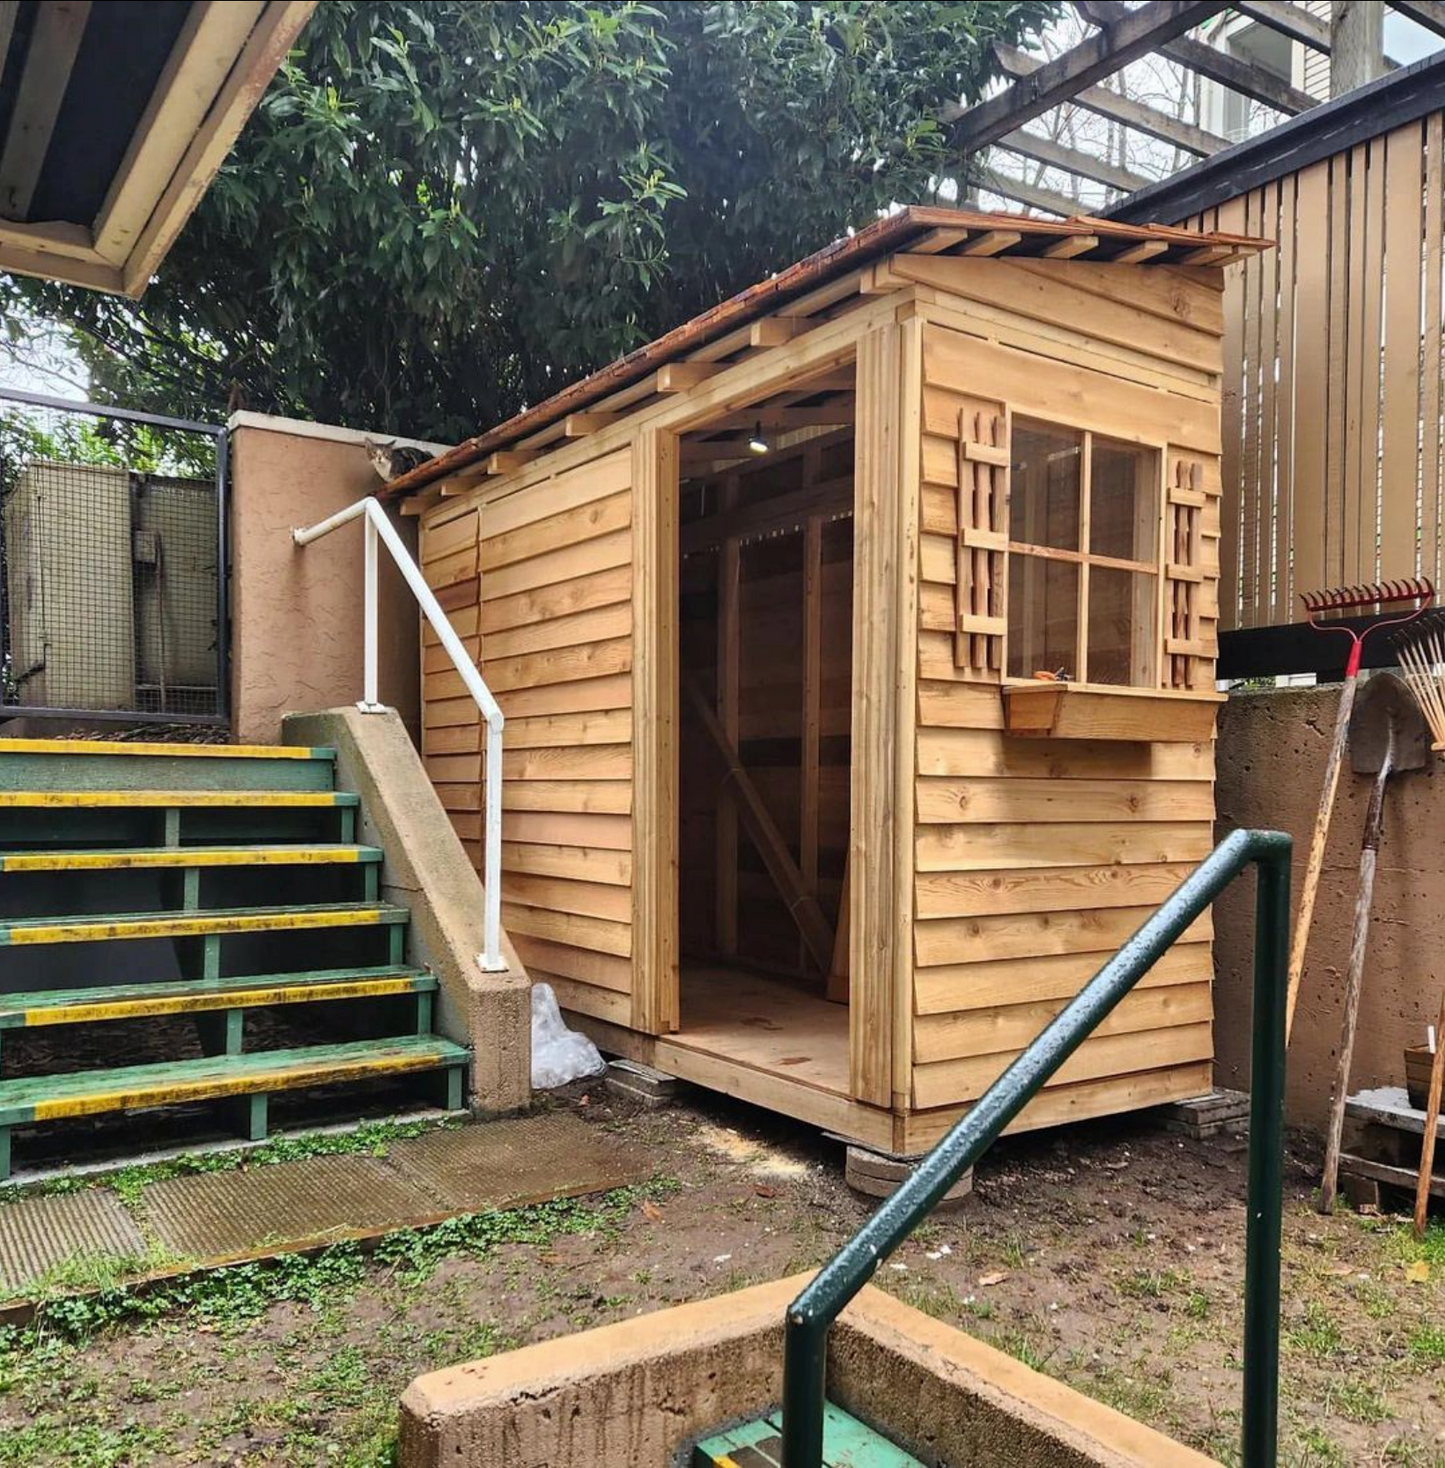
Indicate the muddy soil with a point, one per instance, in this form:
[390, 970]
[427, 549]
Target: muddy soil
[1109, 1255]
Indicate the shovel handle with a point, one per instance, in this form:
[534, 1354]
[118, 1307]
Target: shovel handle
[1311, 887]
[1432, 1125]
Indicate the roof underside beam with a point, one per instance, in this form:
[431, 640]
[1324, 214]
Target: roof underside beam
[1233, 72]
[1428, 13]
[1135, 34]
[48, 64]
[1118, 108]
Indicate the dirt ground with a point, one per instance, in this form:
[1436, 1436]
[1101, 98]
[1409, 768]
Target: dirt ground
[1109, 1255]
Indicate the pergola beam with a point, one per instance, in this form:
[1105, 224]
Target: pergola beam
[1428, 13]
[1071, 160]
[1136, 34]
[1238, 75]
[1033, 195]
[1118, 108]
[1289, 20]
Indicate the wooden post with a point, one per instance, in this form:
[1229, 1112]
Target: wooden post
[655, 551]
[1432, 1125]
[1357, 44]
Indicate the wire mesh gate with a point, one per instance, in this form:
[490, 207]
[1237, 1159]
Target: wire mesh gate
[112, 564]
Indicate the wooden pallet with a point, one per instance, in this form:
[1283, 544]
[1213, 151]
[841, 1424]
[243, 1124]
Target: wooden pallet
[1385, 1157]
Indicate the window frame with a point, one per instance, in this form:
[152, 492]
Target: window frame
[1084, 558]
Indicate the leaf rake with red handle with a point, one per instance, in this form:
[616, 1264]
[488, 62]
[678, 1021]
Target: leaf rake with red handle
[1318, 606]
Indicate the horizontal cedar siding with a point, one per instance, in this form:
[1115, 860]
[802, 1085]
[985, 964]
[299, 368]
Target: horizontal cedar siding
[540, 588]
[1035, 859]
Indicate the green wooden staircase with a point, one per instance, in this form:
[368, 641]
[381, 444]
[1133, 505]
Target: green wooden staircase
[146, 882]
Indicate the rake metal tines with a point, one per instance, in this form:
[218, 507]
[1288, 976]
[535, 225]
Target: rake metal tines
[1370, 594]
[1422, 660]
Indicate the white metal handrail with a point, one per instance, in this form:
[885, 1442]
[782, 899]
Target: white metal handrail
[378, 526]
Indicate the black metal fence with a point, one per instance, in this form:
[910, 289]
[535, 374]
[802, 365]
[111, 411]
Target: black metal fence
[112, 564]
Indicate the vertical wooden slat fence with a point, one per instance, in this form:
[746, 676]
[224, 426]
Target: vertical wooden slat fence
[1335, 376]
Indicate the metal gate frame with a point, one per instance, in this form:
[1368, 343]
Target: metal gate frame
[218, 433]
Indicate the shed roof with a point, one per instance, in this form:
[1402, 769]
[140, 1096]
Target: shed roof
[919, 227]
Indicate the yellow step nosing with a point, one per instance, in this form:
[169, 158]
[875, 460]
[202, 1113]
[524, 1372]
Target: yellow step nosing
[162, 750]
[206, 1001]
[172, 925]
[213, 1088]
[161, 799]
[180, 856]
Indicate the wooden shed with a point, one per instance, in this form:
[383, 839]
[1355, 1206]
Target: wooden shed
[856, 643]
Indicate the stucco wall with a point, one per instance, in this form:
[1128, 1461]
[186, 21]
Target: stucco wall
[296, 614]
[1271, 757]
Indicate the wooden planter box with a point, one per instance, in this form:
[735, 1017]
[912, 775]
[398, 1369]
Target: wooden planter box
[1068, 711]
[1418, 1061]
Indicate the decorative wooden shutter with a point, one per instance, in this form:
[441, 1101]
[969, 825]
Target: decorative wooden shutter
[1191, 607]
[981, 582]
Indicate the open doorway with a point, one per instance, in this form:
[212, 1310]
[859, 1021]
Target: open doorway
[765, 709]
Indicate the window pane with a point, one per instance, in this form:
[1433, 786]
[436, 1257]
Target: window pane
[1121, 627]
[1043, 616]
[1124, 495]
[1044, 485]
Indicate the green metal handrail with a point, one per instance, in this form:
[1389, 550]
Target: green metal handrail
[805, 1341]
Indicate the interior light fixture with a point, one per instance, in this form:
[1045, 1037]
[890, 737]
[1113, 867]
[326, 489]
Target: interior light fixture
[757, 444]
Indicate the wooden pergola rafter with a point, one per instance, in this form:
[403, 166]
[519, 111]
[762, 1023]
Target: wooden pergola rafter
[1122, 34]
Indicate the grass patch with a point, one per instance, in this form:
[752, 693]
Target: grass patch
[1318, 1335]
[1428, 1344]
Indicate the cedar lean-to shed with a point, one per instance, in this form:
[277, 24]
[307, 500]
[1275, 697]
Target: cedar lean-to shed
[789, 810]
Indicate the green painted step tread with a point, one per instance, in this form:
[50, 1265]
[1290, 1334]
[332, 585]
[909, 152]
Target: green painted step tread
[127, 858]
[176, 799]
[88, 1093]
[164, 750]
[185, 996]
[847, 1443]
[97, 927]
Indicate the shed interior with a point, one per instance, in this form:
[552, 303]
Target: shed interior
[765, 617]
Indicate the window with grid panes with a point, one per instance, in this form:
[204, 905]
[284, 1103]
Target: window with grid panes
[1084, 549]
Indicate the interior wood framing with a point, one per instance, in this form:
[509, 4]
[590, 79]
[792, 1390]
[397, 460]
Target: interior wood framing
[987, 875]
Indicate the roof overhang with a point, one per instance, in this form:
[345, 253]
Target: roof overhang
[114, 118]
[920, 228]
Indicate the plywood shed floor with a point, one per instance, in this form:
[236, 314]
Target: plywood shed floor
[765, 1024]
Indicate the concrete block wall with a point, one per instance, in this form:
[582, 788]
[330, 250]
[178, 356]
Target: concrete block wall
[296, 614]
[1271, 757]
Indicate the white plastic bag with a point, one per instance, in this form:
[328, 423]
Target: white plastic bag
[559, 1055]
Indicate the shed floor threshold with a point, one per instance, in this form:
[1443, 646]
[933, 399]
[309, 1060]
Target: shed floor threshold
[766, 1025]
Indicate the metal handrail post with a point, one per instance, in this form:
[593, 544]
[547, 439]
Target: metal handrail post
[380, 529]
[1265, 1203]
[370, 677]
[805, 1335]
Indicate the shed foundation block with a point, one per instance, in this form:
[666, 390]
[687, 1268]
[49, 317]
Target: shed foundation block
[877, 1175]
[1209, 1115]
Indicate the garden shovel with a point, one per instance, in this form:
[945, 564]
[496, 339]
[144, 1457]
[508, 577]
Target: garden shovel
[1387, 736]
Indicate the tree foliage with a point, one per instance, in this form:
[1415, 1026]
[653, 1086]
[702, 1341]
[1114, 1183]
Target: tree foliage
[444, 211]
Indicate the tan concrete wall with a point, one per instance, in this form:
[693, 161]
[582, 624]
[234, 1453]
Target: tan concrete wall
[296, 614]
[638, 1391]
[427, 871]
[1271, 758]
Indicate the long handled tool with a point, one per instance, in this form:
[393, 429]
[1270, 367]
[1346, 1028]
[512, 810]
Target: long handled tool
[1319, 604]
[1432, 1125]
[1387, 735]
